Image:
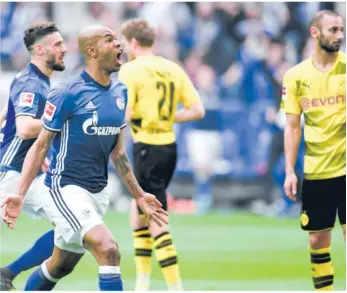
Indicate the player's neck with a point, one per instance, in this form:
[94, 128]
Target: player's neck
[144, 52]
[100, 76]
[324, 60]
[42, 67]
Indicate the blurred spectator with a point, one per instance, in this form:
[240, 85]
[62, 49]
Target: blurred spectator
[204, 139]
[230, 15]
[15, 18]
[275, 17]
[131, 10]
[259, 76]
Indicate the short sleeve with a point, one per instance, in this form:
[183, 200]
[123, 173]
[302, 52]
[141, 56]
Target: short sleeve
[124, 96]
[59, 108]
[25, 98]
[125, 76]
[189, 95]
[290, 102]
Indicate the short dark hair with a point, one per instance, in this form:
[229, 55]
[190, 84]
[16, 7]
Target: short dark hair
[320, 15]
[35, 32]
[140, 30]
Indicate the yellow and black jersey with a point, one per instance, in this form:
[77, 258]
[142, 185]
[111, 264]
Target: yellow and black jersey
[155, 88]
[321, 97]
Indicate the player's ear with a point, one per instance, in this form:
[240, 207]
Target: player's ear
[134, 42]
[38, 50]
[315, 33]
[92, 52]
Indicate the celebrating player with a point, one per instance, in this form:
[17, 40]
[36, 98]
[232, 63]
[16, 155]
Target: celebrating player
[317, 88]
[155, 87]
[85, 119]
[22, 124]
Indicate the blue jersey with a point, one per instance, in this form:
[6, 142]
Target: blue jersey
[213, 118]
[28, 94]
[88, 118]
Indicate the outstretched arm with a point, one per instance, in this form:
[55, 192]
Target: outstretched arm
[32, 164]
[34, 160]
[121, 161]
[147, 202]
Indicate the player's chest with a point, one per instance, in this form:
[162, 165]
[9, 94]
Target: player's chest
[323, 95]
[101, 115]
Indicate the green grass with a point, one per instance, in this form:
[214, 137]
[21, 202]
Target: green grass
[239, 251]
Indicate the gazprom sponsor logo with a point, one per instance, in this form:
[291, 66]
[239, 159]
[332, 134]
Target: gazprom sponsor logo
[89, 127]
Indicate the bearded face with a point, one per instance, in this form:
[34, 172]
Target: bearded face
[329, 44]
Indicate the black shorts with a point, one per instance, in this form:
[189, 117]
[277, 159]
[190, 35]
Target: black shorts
[154, 167]
[321, 201]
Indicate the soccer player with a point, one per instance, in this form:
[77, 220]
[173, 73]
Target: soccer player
[22, 125]
[317, 88]
[155, 87]
[85, 119]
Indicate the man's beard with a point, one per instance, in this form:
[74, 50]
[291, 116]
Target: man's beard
[329, 48]
[54, 66]
[58, 67]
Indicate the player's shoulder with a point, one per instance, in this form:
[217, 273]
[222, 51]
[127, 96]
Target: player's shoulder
[342, 57]
[67, 88]
[25, 81]
[172, 67]
[117, 85]
[300, 69]
[167, 63]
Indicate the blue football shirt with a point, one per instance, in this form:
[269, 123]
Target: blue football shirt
[28, 94]
[88, 118]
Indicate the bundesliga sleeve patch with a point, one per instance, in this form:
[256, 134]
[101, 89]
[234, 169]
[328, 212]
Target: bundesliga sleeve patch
[26, 100]
[284, 93]
[49, 111]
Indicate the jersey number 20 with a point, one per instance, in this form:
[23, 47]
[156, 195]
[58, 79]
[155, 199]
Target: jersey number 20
[165, 104]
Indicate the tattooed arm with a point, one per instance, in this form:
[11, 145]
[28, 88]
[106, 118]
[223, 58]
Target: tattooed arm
[147, 202]
[121, 161]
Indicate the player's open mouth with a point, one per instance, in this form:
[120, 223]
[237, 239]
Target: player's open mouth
[119, 55]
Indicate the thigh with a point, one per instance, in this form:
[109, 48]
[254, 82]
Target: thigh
[96, 236]
[73, 213]
[8, 185]
[99, 240]
[340, 193]
[198, 143]
[9, 182]
[32, 201]
[215, 146]
[318, 205]
[155, 167]
[101, 202]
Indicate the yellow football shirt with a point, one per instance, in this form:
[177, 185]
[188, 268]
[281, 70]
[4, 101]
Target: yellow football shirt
[321, 97]
[155, 88]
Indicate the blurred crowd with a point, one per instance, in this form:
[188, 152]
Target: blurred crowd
[236, 55]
